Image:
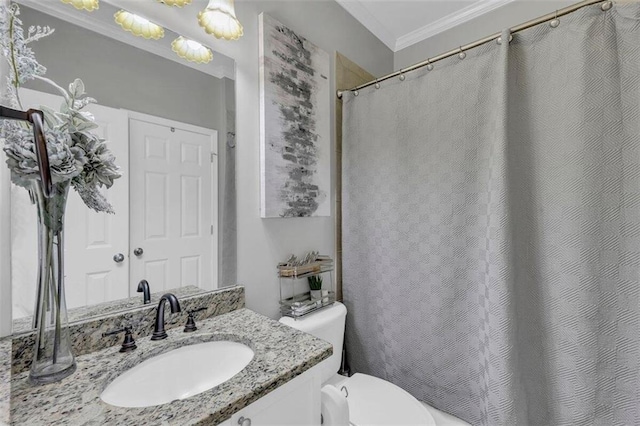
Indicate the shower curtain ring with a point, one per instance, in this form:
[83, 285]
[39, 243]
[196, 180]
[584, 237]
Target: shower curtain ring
[499, 39]
[429, 65]
[377, 86]
[555, 21]
[462, 55]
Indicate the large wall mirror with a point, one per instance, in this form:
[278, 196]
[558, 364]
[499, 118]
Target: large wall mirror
[171, 125]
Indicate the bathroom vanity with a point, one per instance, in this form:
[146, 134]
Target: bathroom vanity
[279, 385]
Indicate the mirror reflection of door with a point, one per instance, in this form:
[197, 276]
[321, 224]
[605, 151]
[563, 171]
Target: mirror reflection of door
[92, 237]
[165, 203]
[173, 204]
[96, 238]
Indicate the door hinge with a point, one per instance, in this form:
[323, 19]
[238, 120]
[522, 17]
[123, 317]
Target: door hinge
[211, 229]
[212, 155]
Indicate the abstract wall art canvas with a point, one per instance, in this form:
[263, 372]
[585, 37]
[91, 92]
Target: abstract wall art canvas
[295, 137]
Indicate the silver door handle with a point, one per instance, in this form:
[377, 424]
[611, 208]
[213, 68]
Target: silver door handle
[138, 252]
[118, 257]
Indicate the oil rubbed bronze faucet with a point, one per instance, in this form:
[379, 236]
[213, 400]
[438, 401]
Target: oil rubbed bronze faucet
[36, 118]
[158, 332]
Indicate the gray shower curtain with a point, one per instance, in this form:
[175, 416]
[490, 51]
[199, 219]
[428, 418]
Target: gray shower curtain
[492, 227]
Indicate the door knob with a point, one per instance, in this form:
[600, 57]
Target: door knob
[243, 421]
[118, 257]
[138, 251]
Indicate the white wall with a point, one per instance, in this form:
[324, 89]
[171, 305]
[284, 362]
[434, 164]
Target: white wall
[506, 16]
[262, 243]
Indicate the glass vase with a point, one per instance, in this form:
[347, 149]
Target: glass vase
[52, 356]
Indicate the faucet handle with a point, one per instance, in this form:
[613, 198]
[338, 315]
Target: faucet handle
[128, 344]
[191, 321]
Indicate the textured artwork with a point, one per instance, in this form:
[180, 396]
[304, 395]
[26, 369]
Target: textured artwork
[294, 124]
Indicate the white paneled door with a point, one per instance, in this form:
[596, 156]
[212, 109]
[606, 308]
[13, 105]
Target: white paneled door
[173, 204]
[95, 241]
[91, 239]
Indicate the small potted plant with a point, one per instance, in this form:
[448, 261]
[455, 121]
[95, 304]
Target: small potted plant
[315, 285]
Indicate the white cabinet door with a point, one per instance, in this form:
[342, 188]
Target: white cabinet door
[173, 197]
[296, 403]
[91, 239]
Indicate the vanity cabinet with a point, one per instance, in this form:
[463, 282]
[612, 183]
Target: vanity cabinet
[297, 402]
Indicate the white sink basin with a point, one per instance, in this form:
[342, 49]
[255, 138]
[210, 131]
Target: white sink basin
[178, 374]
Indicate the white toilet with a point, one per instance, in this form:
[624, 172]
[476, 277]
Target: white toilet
[369, 400]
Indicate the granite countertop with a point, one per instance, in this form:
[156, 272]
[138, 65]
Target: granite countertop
[82, 313]
[87, 336]
[281, 353]
[5, 379]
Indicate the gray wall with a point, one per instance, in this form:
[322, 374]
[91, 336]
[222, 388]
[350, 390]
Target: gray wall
[332, 28]
[122, 76]
[262, 243]
[506, 16]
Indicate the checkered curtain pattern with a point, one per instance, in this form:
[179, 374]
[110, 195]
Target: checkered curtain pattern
[492, 227]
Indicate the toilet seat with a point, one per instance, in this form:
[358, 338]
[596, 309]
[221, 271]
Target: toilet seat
[373, 401]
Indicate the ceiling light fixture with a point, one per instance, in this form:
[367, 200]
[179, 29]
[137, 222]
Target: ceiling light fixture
[191, 50]
[219, 19]
[176, 3]
[88, 5]
[137, 25]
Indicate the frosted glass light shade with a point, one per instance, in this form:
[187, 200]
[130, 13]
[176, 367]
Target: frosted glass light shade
[137, 25]
[89, 5]
[176, 3]
[219, 19]
[191, 50]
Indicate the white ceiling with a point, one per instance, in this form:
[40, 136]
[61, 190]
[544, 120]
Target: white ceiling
[401, 23]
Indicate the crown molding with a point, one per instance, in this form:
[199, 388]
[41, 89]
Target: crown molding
[357, 9]
[463, 15]
[66, 13]
[366, 18]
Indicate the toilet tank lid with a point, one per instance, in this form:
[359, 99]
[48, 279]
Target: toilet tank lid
[318, 319]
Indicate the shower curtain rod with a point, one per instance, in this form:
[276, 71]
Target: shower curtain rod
[606, 5]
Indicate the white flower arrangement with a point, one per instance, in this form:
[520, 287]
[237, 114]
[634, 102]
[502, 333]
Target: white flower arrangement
[77, 156]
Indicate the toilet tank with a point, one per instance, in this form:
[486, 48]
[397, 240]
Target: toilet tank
[328, 325]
